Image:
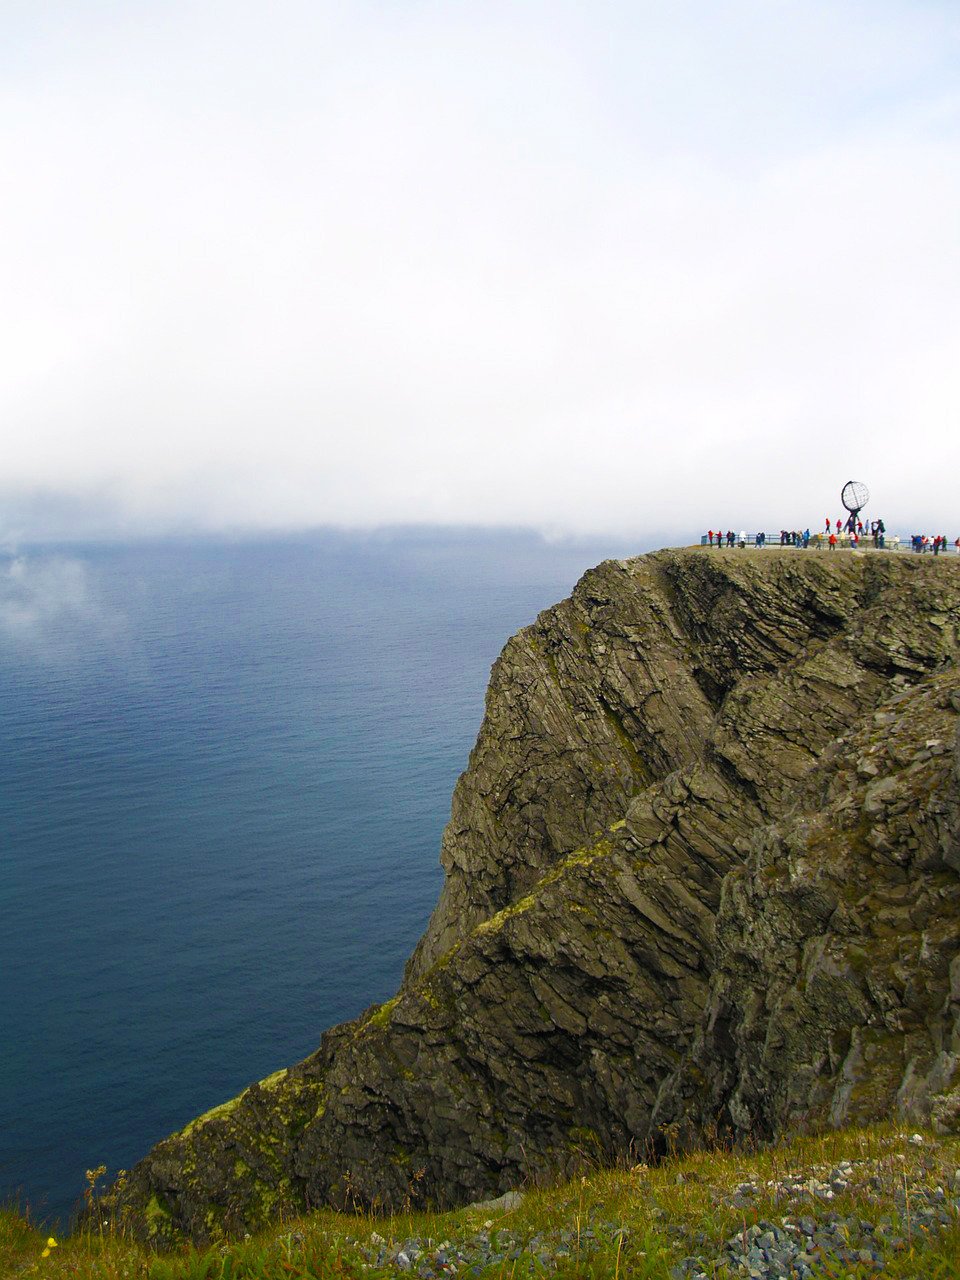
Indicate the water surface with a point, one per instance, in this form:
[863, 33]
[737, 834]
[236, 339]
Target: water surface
[225, 771]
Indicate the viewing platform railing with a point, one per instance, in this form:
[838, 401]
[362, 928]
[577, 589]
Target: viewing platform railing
[820, 542]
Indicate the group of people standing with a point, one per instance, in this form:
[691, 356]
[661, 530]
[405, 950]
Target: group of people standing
[839, 533]
[727, 539]
[788, 538]
[855, 530]
[920, 543]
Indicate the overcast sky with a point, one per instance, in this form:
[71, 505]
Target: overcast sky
[588, 267]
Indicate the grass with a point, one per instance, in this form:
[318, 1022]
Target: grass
[634, 1223]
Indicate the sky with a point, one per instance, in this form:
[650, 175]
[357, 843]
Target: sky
[587, 268]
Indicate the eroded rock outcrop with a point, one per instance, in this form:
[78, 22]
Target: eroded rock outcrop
[702, 870]
[835, 992]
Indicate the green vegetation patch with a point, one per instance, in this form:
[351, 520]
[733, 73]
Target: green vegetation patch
[272, 1083]
[686, 1215]
[578, 858]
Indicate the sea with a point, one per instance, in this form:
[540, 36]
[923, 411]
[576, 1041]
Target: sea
[225, 766]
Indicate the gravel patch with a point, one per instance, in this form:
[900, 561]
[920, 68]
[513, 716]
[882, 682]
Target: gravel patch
[490, 1246]
[814, 1237]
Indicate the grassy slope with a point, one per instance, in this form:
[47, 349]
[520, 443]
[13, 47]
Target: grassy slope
[682, 1207]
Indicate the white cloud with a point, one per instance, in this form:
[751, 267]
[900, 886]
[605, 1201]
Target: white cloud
[49, 609]
[610, 267]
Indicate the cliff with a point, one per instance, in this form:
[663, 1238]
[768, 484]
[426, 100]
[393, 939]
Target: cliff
[701, 873]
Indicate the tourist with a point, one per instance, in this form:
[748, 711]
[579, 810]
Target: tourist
[832, 540]
[710, 536]
[743, 538]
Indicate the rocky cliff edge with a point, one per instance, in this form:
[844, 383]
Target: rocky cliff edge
[701, 876]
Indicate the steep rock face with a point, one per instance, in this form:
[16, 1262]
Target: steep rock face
[620, 685]
[624, 938]
[835, 995]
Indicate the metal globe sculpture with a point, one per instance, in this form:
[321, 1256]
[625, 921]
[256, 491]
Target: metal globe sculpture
[854, 495]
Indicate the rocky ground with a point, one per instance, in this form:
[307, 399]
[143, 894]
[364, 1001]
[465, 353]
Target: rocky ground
[903, 1205]
[900, 1204]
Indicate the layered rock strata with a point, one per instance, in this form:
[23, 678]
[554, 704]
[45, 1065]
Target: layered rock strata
[701, 871]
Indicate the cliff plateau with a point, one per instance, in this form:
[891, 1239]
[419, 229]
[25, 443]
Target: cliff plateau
[702, 874]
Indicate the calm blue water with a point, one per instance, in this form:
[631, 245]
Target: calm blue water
[224, 771]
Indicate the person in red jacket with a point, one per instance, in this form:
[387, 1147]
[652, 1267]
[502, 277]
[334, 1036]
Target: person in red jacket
[833, 541]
